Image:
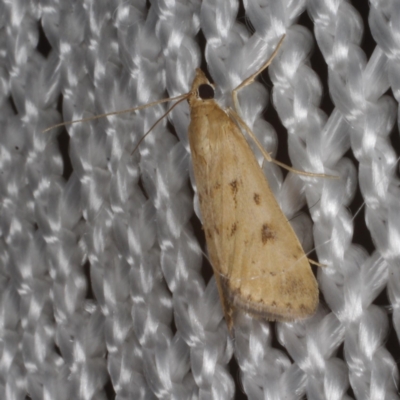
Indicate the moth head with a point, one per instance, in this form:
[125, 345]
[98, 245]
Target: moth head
[201, 89]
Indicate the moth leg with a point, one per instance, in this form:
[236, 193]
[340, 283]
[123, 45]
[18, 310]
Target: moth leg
[234, 114]
[236, 117]
[316, 263]
[251, 78]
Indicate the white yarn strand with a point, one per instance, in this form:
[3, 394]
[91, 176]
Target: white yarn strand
[357, 89]
[101, 294]
[383, 20]
[80, 331]
[34, 231]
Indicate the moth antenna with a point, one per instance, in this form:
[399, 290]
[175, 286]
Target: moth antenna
[153, 103]
[159, 119]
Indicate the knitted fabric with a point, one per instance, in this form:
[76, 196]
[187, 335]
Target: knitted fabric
[103, 291]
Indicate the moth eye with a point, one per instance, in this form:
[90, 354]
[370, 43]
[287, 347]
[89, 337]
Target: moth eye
[205, 91]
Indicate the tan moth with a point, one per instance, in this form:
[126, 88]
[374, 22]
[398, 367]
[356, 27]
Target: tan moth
[259, 264]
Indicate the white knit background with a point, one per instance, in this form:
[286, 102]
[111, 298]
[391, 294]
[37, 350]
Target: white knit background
[101, 288]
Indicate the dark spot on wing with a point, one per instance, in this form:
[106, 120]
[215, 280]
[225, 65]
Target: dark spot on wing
[217, 185]
[273, 304]
[272, 273]
[209, 235]
[288, 306]
[256, 198]
[216, 230]
[303, 308]
[233, 228]
[234, 186]
[266, 234]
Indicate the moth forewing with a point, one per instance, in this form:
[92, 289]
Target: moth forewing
[259, 264]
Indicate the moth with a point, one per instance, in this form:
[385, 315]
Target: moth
[259, 264]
